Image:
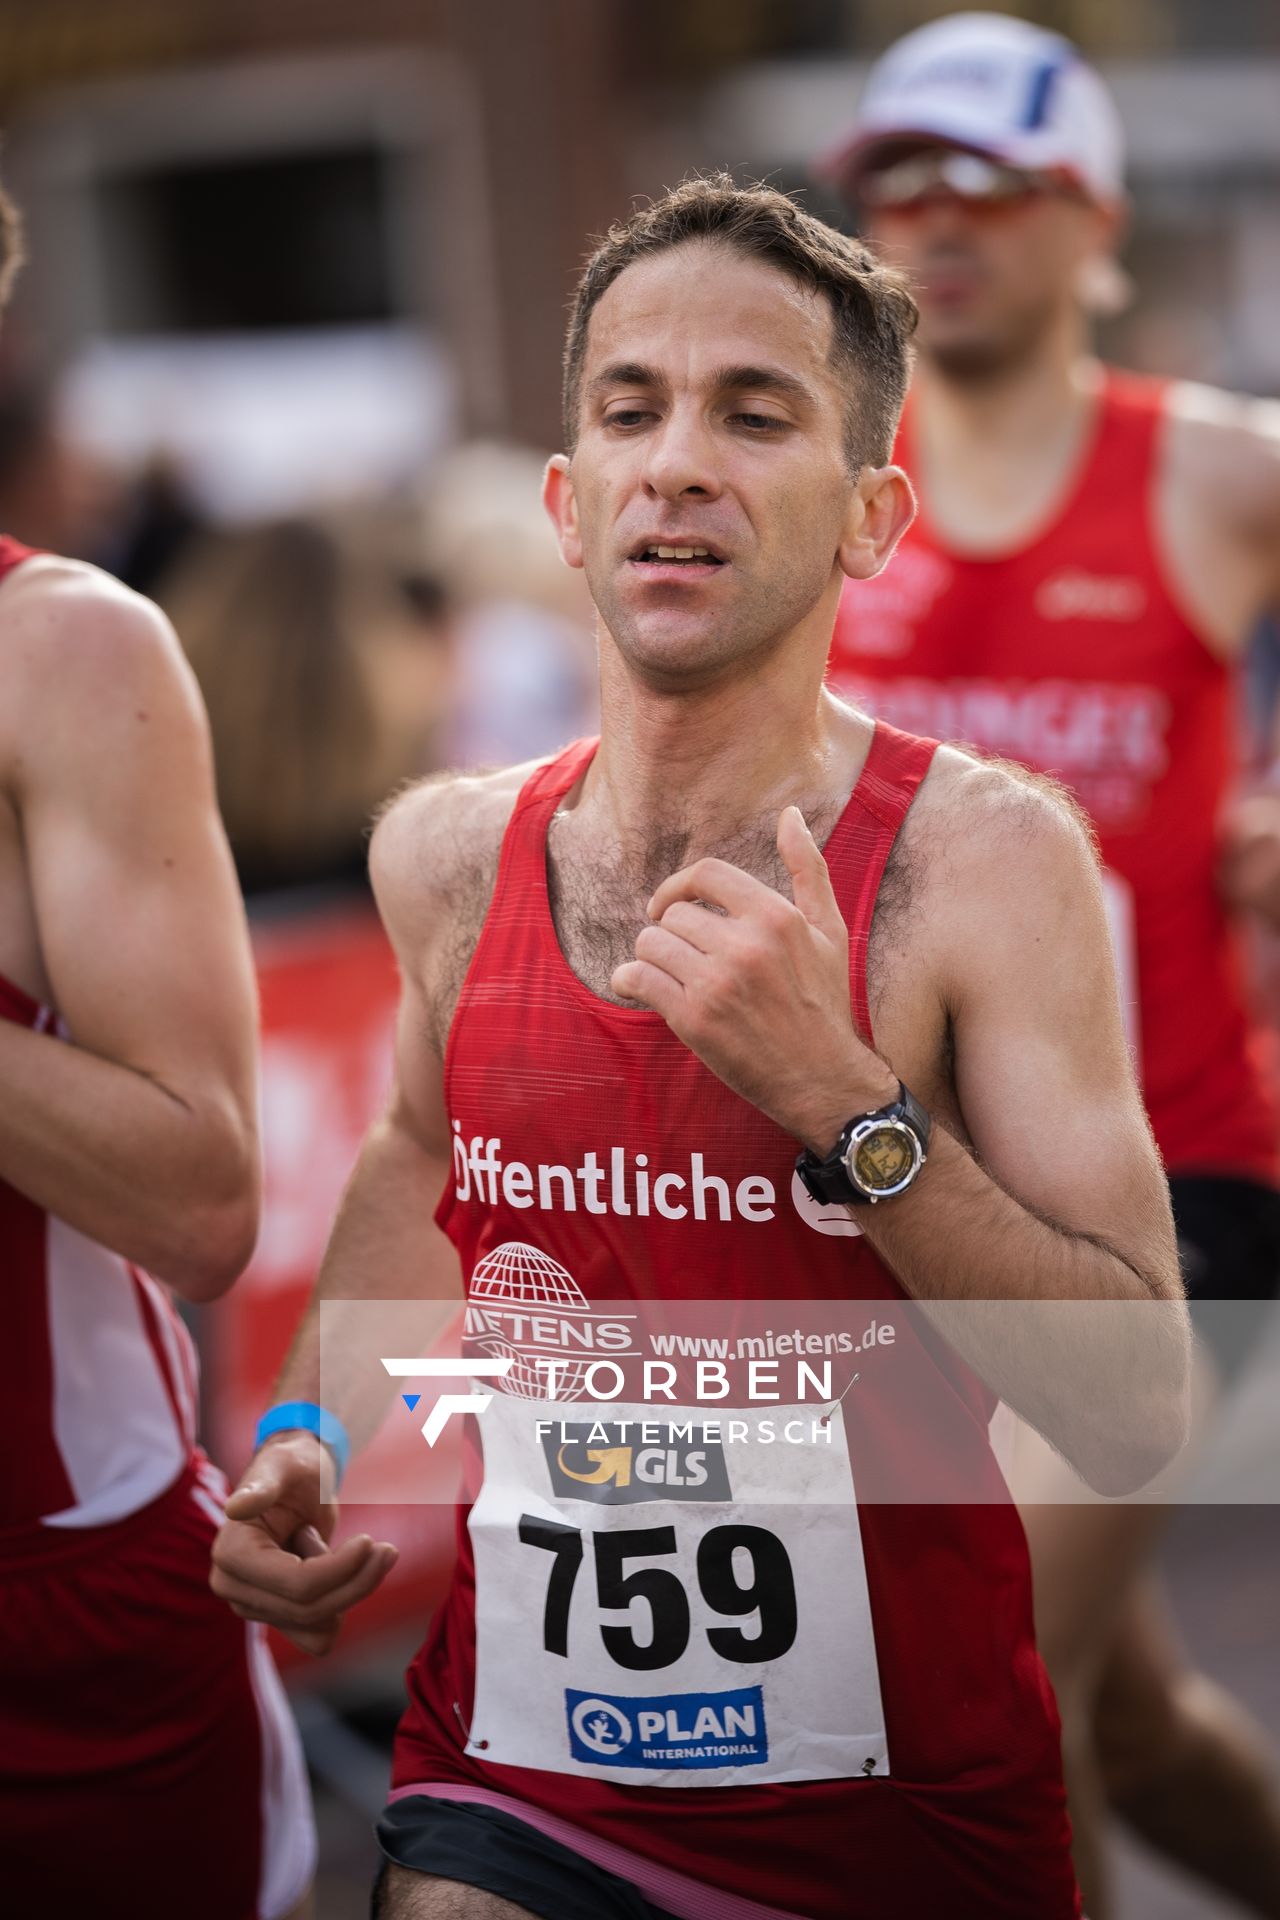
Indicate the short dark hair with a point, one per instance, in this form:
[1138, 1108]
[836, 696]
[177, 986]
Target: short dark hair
[12, 250]
[873, 313]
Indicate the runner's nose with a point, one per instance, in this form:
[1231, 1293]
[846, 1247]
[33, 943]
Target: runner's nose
[680, 457]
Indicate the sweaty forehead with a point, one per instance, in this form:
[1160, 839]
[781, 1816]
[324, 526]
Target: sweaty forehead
[702, 305]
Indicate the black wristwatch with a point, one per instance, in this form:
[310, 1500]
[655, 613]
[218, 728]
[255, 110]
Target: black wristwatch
[877, 1156]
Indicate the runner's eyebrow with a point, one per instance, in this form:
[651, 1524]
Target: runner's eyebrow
[625, 373]
[727, 379]
[786, 386]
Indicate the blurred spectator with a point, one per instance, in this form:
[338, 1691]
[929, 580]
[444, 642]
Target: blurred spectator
[158, 520]
[324, 672]
[51, 496]
[1262, 687]
[59, 497]
[524, 647]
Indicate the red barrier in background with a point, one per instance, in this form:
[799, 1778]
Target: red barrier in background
[328, 986]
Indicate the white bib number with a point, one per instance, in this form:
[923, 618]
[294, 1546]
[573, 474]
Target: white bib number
[655, 1607]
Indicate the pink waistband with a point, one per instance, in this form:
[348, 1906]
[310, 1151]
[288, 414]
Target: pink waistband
[685, 1898]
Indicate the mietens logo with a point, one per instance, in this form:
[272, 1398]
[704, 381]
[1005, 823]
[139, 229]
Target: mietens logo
[525, 1308]
[665, 1730]
[533, 1319]
[600, 1460]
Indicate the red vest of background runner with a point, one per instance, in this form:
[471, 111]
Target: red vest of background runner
[1071, 655]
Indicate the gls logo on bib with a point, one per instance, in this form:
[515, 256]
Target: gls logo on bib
[668, 1729]
[596, 1460]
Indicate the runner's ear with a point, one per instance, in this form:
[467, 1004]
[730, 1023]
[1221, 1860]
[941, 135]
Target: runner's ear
[561, 503]
[880, 511]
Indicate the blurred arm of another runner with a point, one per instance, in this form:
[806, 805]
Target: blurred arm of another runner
[142, 1132]
[1042, 1209]
[1220, 516]
[271, 1561]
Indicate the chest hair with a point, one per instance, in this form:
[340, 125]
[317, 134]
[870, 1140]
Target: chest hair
[598, 906]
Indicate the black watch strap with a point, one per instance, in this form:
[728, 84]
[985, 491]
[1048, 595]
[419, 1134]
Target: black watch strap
[828, 1181]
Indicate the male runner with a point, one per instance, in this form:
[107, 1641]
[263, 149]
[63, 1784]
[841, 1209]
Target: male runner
[1091, 556]
[148, 1762]
[734, 372]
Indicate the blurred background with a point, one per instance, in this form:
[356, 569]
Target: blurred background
[286, 357]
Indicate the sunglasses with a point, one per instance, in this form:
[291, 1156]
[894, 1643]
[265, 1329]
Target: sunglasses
[943, 173]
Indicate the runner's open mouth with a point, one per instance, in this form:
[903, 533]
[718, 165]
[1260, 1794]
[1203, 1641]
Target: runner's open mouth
[654, 554]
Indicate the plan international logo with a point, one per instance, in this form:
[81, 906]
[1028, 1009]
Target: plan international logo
[665, 1730]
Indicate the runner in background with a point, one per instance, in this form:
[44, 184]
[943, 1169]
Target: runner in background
[1092, 554]
[148, 1761]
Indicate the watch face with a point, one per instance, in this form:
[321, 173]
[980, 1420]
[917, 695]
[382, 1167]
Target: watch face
[883, 1158]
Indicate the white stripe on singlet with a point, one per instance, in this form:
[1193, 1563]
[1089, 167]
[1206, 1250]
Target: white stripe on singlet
[178, 1352]
[113, 1420]
[288, 1825]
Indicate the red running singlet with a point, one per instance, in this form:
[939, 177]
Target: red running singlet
[1071, 655]
[597, 1159]
[137, 1714]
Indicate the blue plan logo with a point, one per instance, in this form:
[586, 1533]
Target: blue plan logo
[668, 1729]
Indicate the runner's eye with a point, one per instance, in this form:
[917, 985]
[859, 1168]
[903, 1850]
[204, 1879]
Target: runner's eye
[628, 417]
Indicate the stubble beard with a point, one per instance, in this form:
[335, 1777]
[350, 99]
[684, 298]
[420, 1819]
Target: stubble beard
[732, 642]
[988, 359]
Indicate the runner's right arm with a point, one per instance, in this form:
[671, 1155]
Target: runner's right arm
[271, 1560]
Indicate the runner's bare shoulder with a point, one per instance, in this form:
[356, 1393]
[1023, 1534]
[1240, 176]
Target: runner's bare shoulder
[434, 860]
[999, 854]
[1225, 449]
[90, 669]
[77, 646]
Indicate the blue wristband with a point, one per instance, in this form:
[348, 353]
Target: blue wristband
[293, 1416]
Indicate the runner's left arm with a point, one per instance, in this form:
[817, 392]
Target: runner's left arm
[1056, 1196]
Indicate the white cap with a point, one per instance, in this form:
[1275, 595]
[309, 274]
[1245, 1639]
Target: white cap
[997, 86]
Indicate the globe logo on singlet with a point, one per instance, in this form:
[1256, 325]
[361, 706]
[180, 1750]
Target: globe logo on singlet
[524, 1307]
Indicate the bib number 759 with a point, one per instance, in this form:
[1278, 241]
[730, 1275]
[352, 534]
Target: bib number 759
[769, 1590]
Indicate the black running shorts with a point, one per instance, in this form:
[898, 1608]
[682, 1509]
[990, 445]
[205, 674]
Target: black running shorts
[1229, 1244]
[485, 1847]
